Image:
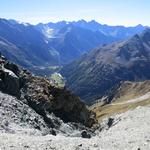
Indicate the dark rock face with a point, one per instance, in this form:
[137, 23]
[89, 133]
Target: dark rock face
[11, 66]
[95, 74]
[85, 135]
[44, 98]
[9, 81]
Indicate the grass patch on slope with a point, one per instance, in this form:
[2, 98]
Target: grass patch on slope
[59, 81]
[109, 110]
[128, 96]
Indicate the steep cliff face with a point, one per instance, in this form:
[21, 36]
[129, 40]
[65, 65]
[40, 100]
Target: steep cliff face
[40, 97]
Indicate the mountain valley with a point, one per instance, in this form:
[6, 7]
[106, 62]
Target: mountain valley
[43, 46]
[77, 85]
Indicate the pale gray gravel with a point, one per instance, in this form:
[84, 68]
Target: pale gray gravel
[18, 118]
[130, 131]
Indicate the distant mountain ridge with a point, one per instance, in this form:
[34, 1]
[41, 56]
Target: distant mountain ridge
[29, 44]
[118, 32]
[94, 74]
[55, 44]
[73, 39]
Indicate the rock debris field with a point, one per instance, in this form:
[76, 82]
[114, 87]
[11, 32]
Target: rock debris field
[129, 131]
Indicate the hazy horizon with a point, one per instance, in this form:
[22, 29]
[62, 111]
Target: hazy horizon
[111, 12]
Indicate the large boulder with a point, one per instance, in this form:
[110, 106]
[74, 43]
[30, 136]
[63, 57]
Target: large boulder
[9, 82]
[13, 67]
[9, 77]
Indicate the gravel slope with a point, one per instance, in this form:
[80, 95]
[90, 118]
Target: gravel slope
[18, 118]
[130, 131]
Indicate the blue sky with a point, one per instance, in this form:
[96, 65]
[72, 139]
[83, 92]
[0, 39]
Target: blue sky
[112, 12]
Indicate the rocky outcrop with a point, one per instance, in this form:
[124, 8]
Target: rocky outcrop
[56, 106]
[43, 97]
[9, 81]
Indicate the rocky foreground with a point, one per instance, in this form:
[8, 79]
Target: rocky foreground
[129, 131]
[32, 105]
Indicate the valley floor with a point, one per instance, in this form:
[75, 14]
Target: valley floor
[130, 131]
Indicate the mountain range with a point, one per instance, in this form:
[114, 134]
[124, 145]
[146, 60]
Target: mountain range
[72, 39]
[95, 74]
[39, 115]
[38, 47]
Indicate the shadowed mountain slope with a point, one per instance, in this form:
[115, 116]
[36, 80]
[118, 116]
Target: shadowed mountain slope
[94, 74]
